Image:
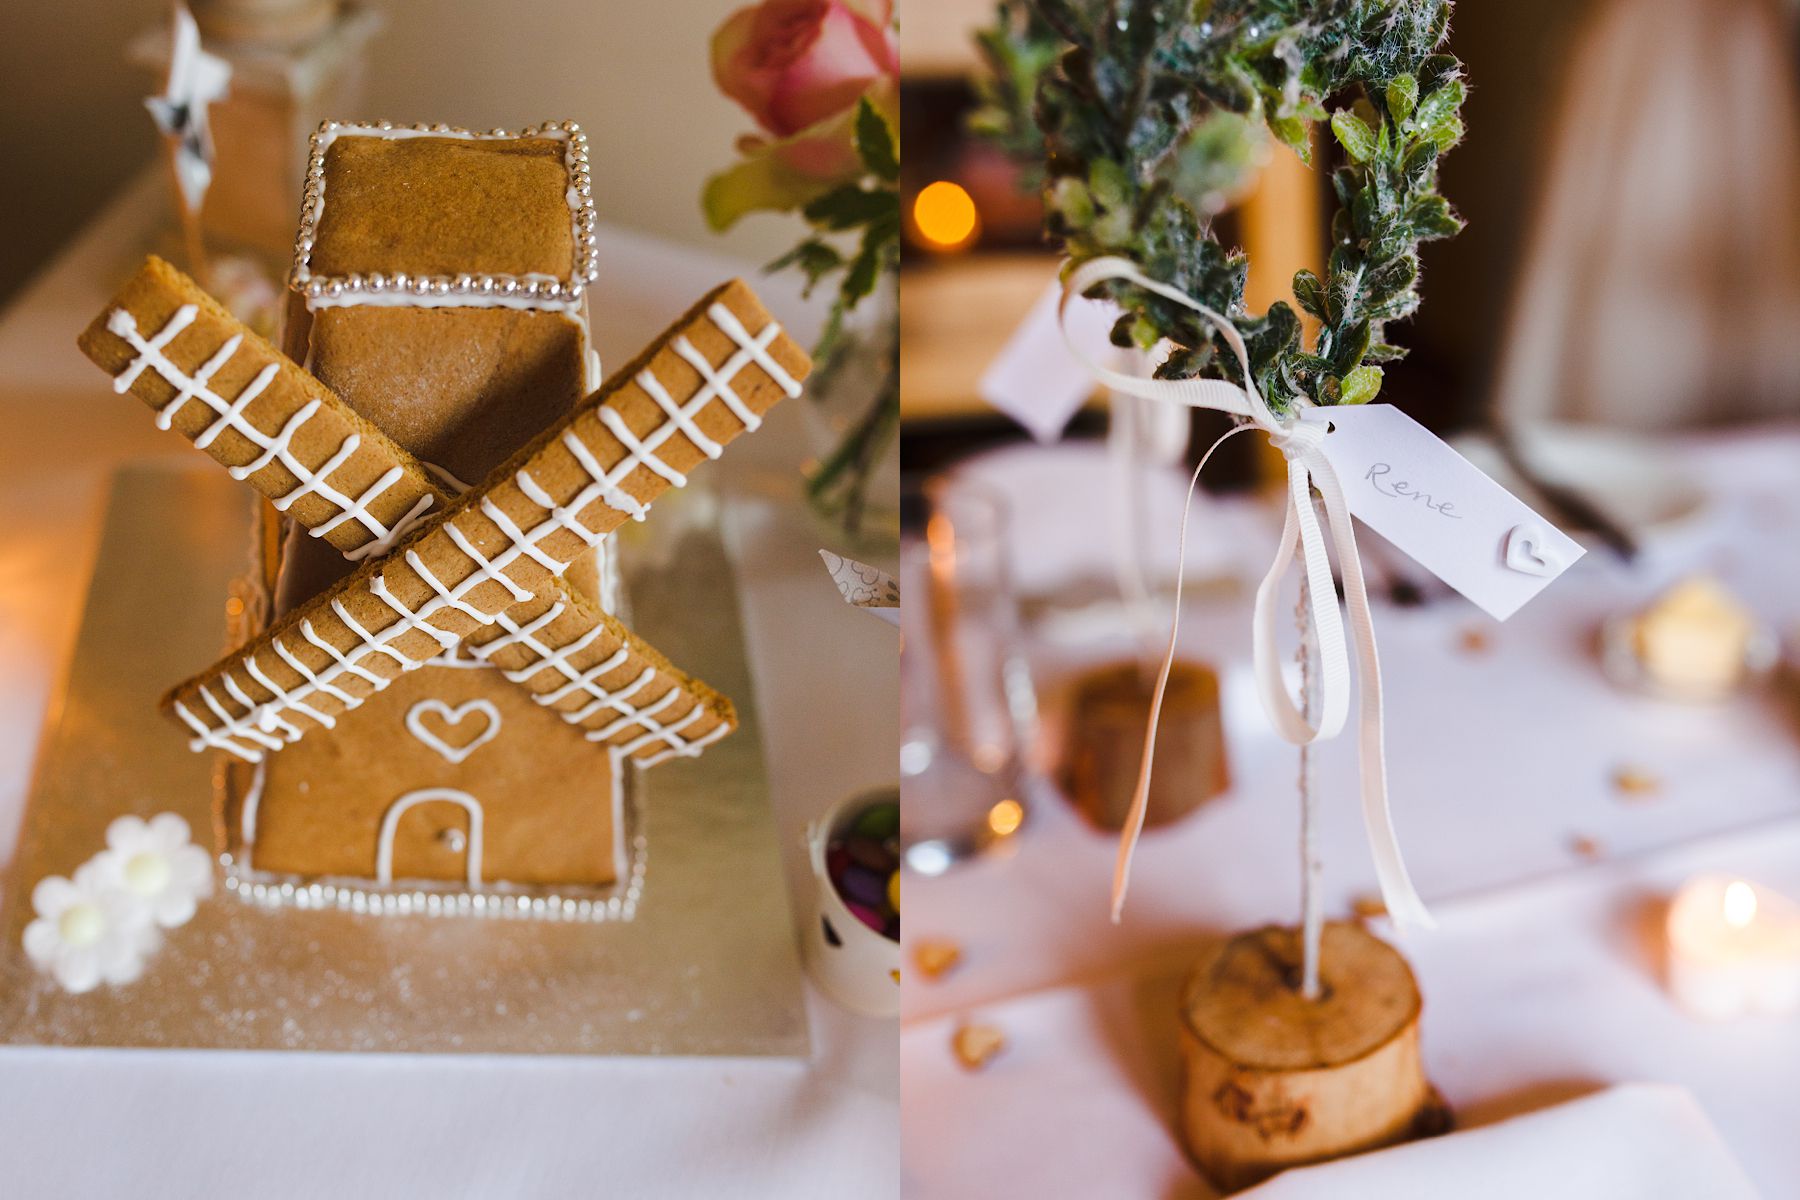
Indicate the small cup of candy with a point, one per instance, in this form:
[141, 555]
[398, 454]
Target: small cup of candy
[852, 943]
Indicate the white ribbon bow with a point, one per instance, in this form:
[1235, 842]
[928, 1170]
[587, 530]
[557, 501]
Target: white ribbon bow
[1307, 468]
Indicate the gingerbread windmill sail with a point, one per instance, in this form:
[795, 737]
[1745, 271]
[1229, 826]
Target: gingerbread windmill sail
[441, 692]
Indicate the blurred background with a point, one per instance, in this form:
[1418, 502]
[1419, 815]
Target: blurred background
[635, 75]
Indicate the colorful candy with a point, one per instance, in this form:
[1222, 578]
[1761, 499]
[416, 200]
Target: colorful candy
[863, 861]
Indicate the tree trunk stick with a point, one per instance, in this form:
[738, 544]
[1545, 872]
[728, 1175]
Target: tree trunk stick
[1312, 901]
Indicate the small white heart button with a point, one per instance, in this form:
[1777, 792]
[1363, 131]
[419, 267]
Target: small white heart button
[1527, 551]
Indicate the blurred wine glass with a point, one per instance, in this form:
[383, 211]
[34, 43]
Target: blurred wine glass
[968, 710]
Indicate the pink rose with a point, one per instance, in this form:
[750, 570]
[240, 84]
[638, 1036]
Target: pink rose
[799, 67]
[794, 63]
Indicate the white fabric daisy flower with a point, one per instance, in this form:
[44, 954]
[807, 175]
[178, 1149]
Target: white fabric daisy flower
[156, 864]
[87, 932]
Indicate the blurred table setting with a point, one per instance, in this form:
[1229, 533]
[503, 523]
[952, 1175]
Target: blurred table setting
[1548, 812]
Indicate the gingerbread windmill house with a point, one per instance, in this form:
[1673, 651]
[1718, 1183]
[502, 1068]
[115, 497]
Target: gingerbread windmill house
[439, 694]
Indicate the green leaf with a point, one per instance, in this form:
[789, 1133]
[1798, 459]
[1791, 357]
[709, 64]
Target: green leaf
[859, 280]
[849, 206]
[1418, 163]
[1395, 305]
[1343, 279]
[761, 182]
[1351, 343]
[875, 143]
[1430, 217]
[1446, 133]
[1293, 133]
[1120, 333]
[1444, 102]
[1360, 386]
[815, 259]
[1437, 69]
[1109, 183]
[1357, 139]
[1395, 275]
[1071, 198]
[1402, 96]
[1183, 363]
[1310, 293]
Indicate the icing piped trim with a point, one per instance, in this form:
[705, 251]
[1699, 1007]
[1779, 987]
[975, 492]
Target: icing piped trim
[454, 755]
[495, 899]
[390, 822]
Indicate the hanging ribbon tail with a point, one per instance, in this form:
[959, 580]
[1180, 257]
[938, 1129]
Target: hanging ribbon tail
[1403, 903]
[1140, 799]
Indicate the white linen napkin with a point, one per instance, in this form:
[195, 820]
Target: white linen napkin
[1638, 1141]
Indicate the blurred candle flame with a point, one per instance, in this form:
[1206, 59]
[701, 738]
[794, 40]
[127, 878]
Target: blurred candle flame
[1740, 904]
[944, 216]
[1006, 817]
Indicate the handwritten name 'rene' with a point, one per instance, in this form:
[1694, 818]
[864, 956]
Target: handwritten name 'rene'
[1400, 489]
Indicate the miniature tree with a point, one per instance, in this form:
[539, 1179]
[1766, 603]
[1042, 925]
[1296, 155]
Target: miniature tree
[1128, 108]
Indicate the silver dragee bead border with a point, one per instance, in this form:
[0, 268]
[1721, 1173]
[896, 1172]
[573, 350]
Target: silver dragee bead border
[501, 901]
[524, 291]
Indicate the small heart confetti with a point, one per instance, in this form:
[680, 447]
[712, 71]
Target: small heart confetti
[936, 957]
[1633, 783]
[976, 1045]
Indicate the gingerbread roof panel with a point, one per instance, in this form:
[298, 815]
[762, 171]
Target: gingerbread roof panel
[435, 216]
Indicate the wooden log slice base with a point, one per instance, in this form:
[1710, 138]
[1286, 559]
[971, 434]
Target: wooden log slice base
[1105, 744]
[1273, 1081]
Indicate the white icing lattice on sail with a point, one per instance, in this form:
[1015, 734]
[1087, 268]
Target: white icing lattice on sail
[260, 724]
[586, 682]
[679, 418]
[276, 449]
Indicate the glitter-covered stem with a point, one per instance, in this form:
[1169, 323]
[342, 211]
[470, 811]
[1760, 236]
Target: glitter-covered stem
[1312, 866]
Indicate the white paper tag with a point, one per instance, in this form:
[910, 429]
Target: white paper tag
[1035, 379]
[1403, 482]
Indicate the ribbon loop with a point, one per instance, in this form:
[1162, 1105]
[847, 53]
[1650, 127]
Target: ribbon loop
[1299, 439]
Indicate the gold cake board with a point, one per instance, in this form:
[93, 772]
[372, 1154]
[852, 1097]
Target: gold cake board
[705, 966]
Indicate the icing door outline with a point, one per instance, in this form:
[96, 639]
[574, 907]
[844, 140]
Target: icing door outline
[384, 851]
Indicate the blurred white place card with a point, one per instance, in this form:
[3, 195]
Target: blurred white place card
[1405, 483]
[1645, 1141]
[1035, 379]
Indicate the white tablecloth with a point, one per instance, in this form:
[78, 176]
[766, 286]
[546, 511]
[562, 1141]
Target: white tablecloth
[1543, 978]
[193, 1125]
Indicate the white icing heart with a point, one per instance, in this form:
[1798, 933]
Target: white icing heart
[1527, 553]
[452, 718]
